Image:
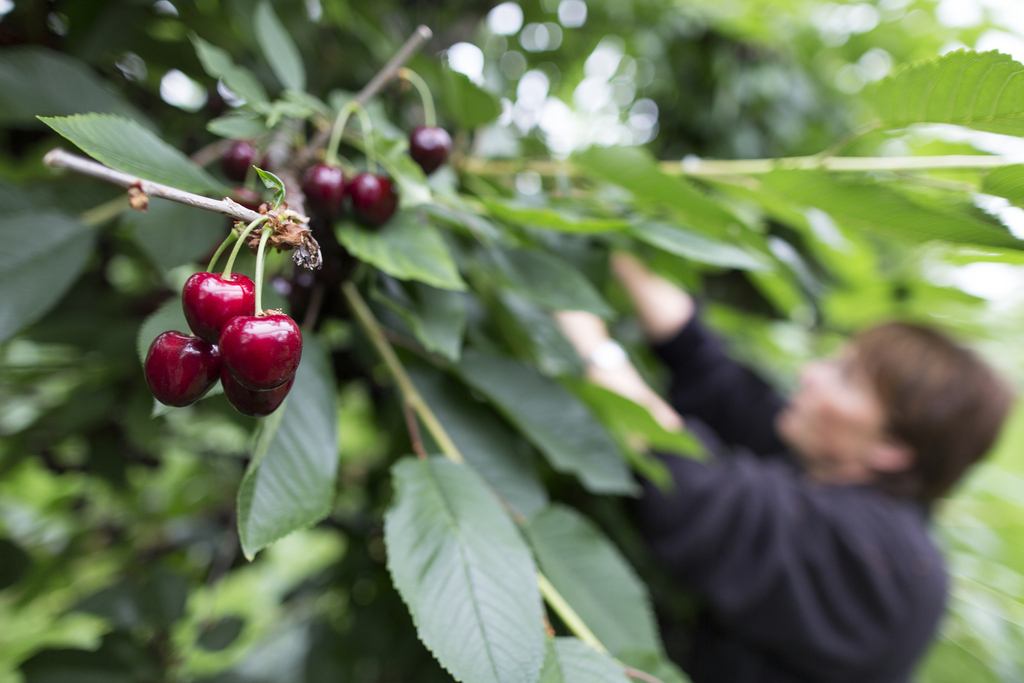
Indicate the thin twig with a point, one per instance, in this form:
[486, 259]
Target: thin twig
[567, 614]
[640, 675]
[414, 431]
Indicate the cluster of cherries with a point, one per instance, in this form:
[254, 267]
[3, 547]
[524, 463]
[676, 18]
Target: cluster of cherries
[254, 356]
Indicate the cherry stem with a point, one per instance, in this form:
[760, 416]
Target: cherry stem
[220, 250]
[429, 114]
[367, 126]
[260, 256]
[331, 157]
[241, 240]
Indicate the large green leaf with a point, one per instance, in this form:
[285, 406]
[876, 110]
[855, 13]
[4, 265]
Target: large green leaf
[407, 247]
[125, 145]
[290, 481]
[464, 571]
[563, 220]
[546, 280]
[466, 102]
[436, 316]
[695, 246]
[35, 81]
[217, 63]
[553, 354]
[278, 48]
[43, 255]
[564, 430]
[637, 171]
[591, 574]
[237, 126]
[873, 206]
[173, 234]
[568, 660]
[1006, 181]
[980, 90]
[501, 457]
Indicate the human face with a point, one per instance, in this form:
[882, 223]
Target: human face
[835, 424]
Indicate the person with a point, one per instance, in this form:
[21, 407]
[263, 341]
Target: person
[806, 535]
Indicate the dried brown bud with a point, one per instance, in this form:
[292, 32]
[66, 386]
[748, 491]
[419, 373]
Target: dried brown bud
[137, 197]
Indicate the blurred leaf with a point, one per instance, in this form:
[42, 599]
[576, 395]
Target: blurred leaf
[1006, 181]
[221, 634]
[406, 247]
[464, 571]
[45, 252]
[218, 63]
[654, 663]
[172, 234]
[547, 281]
[571, 438]
[14, 563]
[569, 660]
[272, 182]
[497, 453]
[466, 102]
[237, 126]
[127, 146]
[966, 88]
[591, 574]
[290, 481]
[278, 48]
[169, 316]
[553, 354]
[563, 220]
[35, 81]
[436, 316]
[695, 246]
[118, 660]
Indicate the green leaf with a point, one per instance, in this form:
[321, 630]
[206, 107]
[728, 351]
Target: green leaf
[290, 481]
[497, 453]
[1006, 181]
[237, 126]
[654, 663]
[979, 90]
[406, 247]
[35, 81]
[464, 571]
[126, 146]
[864, 204]
[695, 246]
[44, 253]
[636, 170]
[436, 316]
[569, 660]
[217, 63]
[563, 220]
[571, 438]
[547, 281]
[553, 354]
[172, 234]
[466, 102]
[278, 48]
[272, 182]
[591, 574]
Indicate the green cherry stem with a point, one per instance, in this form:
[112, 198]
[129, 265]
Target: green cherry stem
[429, 114]
[220, 250]
[238, 245]
[260, 257]
[331, 157]
[367, 126]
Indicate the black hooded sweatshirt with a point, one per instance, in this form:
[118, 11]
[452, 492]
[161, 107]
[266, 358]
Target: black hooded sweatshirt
[799, 581]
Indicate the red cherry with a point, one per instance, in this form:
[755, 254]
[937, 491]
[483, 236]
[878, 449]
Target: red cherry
[262, 352]
[429, 147]
[210, 301]
[253, 403]
[324, 187]
[179, 369]
[374, 199]
[250, 199]
[237, 159]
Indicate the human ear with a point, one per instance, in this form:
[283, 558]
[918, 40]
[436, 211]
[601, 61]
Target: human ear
[890, 457]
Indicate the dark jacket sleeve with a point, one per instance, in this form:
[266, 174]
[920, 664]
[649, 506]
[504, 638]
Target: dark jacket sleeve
[729, 398]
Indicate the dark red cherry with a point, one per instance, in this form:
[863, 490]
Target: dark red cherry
[374, 199]
[324, 187]
[180, 369]
[250, 199]
[262, 352]
[210, 301]
[429, 147]
[253, 403]
[237, 159]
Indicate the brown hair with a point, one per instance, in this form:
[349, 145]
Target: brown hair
[940, 399]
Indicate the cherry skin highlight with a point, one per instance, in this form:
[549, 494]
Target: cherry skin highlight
[210, 301]
[325, 188]
[429, 147]
[179, 369]
[237, 159]
[261, 352]
[253, 403]
[374, 199]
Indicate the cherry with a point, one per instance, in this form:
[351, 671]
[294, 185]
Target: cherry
[237, 159]
[262, 352]
[374, 199]
[324, 187]
[250, 199]
[210, 301]
[179, 369]
[429, 147]
[253, 403]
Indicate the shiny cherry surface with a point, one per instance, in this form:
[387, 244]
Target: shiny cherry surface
[324, 187]
[262, 352]
[374, 199]
[210, 301]
[179, 369]
[237, 159]
[429, 147]
[253, 403]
